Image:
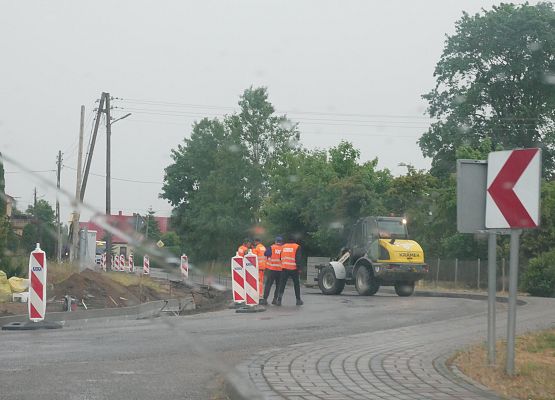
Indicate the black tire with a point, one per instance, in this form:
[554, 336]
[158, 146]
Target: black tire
[365, 283]
[328, 283]
[404, 289]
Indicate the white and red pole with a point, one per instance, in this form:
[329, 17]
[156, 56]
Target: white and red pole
[116, 263]
[131, 263]
[37, 285]
[146, 265]
[103, 262]
[184, 266]
[121, 262]
[238, 279]
[250, 262]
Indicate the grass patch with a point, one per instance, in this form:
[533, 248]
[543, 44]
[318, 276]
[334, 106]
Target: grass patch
[534, 363]
[134, 280]
[57, 273]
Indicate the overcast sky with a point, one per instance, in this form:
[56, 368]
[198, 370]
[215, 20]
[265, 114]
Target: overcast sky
[350, 70]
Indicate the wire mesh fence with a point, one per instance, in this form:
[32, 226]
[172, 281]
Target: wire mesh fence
[465, 274]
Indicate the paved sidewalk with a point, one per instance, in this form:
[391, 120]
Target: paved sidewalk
[405, 363]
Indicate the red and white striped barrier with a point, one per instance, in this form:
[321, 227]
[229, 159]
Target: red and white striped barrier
[37, 285]
[103, 262]
[121, 262]
[131, 263]
[115, 263]
[184, 266]
[250, 263]
[146, 265]
[238, 279]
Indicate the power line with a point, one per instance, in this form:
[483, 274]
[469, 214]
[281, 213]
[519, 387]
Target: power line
[119, 179]
[25, 172]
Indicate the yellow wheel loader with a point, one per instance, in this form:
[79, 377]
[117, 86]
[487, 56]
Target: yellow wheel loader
[378, 253]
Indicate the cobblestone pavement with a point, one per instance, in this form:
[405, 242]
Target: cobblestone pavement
[404, 363]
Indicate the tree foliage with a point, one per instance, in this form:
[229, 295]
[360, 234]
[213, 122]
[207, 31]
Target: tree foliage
[41, 230]
[495, 81]
[219, 176]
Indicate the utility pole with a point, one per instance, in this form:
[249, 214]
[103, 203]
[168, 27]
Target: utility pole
[59, 245]
[35, 201]
[91, 150]
[108, 173]
[76, 214]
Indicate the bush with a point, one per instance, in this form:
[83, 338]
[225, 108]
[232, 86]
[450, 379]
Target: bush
[539, 277]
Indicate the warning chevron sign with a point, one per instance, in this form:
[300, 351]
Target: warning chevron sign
[513, 189]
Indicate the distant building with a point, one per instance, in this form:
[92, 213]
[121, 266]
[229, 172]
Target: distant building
[10, 205]
[130, 225]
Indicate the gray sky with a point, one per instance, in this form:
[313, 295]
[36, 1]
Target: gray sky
[175, 61]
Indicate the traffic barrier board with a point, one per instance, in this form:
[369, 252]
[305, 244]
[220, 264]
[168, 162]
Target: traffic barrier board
[121, 262]
[238, 279]
[250, 263]
[184, 266]
[146, 265]
[37, 285]
[131, 263]
[513, 189]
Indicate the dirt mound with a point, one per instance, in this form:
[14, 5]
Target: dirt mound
[96, 290]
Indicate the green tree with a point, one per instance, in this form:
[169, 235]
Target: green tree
[4, 223]
[219, 176]
[495, 79]
[42, 230]
[149, 225]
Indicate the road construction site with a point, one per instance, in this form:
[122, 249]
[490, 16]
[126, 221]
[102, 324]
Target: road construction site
[346, 346]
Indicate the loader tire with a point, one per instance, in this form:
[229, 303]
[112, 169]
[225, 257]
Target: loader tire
[404, 289]
[328, 283]
[365, 283]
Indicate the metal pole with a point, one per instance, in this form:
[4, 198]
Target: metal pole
[437, 272]
[503, 275]
[456, 270]
[513, 283]
[492, 287]
[478, 278]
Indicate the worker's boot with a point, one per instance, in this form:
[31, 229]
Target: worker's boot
[278, 302]
[300, 302]
[274, 301]
[263, 302]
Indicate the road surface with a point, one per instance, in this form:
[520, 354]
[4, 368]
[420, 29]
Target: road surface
[188, 357]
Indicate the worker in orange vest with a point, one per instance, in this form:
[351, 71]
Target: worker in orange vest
[291, 267]
[273, 270]
[244, 248]
[259, 249]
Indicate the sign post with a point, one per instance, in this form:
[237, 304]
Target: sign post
[513, 202]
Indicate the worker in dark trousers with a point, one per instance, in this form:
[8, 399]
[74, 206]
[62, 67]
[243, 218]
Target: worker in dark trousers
[290, 267]
[273, 270]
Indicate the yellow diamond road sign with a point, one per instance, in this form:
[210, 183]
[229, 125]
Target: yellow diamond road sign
[160, 243]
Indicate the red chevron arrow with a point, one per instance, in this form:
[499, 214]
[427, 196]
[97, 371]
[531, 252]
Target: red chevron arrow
[502, 193]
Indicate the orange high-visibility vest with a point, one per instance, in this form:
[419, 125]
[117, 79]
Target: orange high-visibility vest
[259, 250]
[288, 253]
[274, 262]
[242, 250]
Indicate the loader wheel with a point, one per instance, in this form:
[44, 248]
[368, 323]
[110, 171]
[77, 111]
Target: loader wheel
[404, 289]
[365, 283]
[328, 283]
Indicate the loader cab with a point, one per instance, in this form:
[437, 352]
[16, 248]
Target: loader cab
[364, 239]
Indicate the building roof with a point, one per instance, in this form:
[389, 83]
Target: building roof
[128, 224]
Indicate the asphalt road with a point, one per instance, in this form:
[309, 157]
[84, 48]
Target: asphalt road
[187, 357]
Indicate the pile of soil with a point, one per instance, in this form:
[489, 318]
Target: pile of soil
[98, 290]
[95, 289]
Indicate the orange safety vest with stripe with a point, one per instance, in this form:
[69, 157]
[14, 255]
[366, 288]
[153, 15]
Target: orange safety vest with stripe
[274, 261]
[259, 250]
[288, 254]
[242, 250]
